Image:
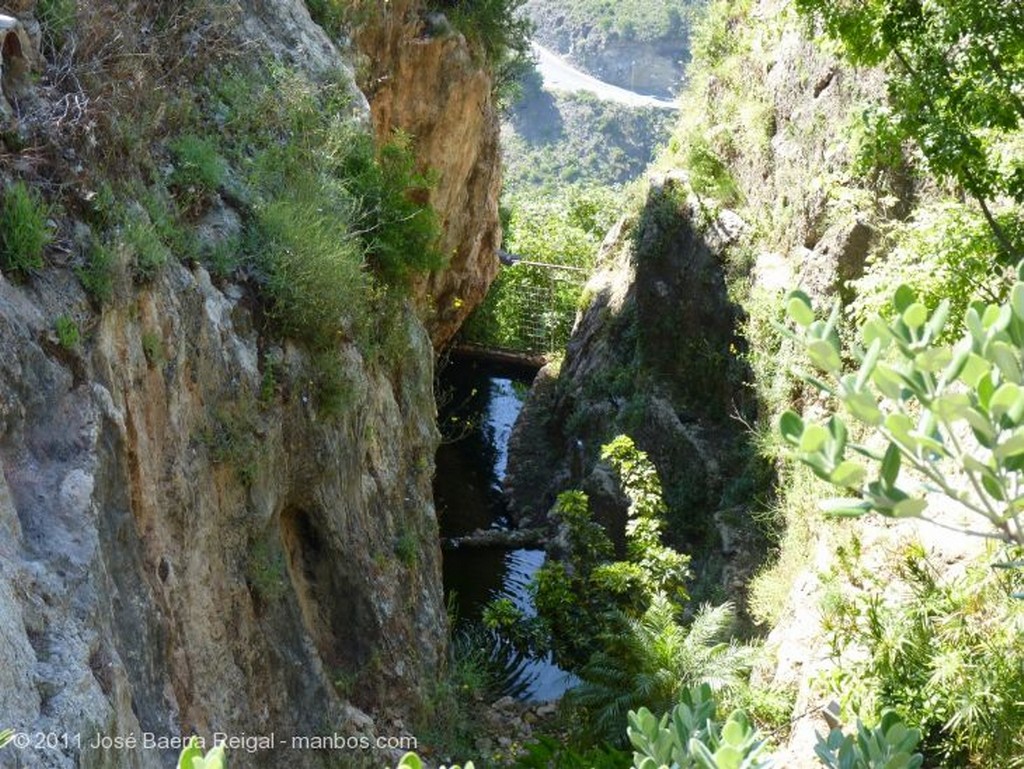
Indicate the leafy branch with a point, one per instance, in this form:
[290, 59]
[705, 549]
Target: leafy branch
[944, 410]
[955, 70]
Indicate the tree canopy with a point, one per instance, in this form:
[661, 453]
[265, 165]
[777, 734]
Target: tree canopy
[955, 87]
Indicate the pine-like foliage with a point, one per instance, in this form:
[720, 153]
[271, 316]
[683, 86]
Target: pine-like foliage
[655, 659]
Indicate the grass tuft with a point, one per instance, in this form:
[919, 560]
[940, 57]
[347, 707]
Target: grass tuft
[314, 270]
[67, 332]
[99, 272]
[147, 252]
[199, 173]
[24, 232]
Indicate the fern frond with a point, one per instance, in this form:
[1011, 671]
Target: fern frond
[711, 623]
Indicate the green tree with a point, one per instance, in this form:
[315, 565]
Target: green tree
[530, 307]
[398, 228]
[588, 596]
[955, 85]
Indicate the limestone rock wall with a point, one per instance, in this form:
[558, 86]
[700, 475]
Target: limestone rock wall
[423, 78]
[158, 577]
[817, 217]
[186, 543]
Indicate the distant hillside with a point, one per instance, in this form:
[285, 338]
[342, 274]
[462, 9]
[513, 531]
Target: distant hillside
[550, 140]
[637, 44]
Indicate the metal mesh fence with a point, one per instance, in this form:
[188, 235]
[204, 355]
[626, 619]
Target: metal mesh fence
[530, 308]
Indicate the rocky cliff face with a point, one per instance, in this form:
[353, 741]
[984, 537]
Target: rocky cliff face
[652, 355]
[780, 114]
[187, 543]
[423, 79]
[182, 553]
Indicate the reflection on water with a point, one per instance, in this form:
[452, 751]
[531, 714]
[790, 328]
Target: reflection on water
[547, 680]
[480, 406]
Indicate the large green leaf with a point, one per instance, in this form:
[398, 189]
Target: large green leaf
[727, 757]
[933, 359]
[838, 432]
[845, 507]
[951, 406]
[792, 427]
[863, 406]
[849, 475]
[903, 298]
[888, 382]
[915, 315]
[982, 427]
[997, 317]
[899, 425]
[973, 322]
[798, 307]
[929, 443]
[993, 487]
[192, 757]
[189, 754]
[824, 355]
[814, 438]
[891, 465]
[1007, 358]
[1007, 400]
[867, 366]
[975, 368]
[1011, 447]
[937, 322]
[1017, 300]
[909, 508]
[876, 330]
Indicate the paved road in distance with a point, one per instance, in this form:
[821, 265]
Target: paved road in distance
[559, 75]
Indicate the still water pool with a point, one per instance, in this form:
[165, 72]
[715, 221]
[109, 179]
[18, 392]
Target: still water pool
[479, 403]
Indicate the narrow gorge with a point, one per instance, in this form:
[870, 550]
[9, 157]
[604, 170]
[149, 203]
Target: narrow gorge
[379, 389]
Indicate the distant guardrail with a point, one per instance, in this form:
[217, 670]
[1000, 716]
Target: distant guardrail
[530, 310]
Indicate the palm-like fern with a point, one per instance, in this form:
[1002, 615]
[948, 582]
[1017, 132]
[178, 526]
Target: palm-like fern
[655, 659]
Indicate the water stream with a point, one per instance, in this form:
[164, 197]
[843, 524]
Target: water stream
[479, 405]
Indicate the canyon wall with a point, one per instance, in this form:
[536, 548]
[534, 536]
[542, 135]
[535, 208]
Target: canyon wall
[190, 543]
[421, 78]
